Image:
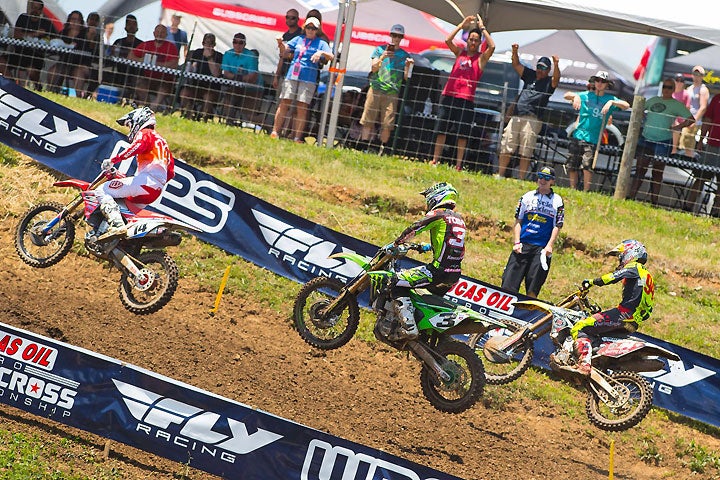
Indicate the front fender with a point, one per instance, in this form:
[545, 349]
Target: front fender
[534, 305]
[361, 260]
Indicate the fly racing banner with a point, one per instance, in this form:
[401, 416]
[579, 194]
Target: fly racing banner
[290, 245]
[137, 407]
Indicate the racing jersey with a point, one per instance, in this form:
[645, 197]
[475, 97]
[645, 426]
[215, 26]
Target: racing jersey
[153, 155]
[638, 290]
[538, 214]
[447, 237]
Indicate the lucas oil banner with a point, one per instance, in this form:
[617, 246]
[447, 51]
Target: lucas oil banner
[177, 421]
[285, 243]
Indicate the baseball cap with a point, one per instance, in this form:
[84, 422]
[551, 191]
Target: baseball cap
[545, 61]
[601, 75]
[547, 171]
[397, 28]
[699, 69]
[312, 21]
[679, 76]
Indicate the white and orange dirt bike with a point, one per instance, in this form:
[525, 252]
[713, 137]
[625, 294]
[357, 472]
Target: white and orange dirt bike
[618, 397]
[149, 276]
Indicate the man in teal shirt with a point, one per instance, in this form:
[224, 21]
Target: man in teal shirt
[594, 109]
[389, 67]
[241, 64]
[656, 139]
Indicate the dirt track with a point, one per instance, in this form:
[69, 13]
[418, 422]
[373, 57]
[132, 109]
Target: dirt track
[365, 393]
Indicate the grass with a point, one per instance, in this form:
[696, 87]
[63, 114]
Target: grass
[373, 198]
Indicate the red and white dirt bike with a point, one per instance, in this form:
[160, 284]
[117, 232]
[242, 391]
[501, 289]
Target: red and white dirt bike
[618, 397]
[149, 276]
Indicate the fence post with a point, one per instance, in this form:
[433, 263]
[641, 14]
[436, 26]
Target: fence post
[622, 185]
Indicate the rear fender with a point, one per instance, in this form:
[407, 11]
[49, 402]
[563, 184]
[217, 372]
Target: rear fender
[624, 347]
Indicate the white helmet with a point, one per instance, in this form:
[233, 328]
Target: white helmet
[629, 251]
[136, 120]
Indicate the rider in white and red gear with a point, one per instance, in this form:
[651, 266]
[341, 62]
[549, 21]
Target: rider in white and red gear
[155, 167]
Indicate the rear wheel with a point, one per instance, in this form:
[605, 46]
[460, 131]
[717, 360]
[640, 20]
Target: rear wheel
[630, 405]
[42, 249]
[323, 329]
[155, 285]
[466, 378]
[503, 367]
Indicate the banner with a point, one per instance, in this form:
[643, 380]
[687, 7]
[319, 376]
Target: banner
[289, 245]
[140, 408]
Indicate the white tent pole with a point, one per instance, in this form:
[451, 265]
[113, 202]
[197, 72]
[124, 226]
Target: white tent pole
[337, 97]
[331, 77]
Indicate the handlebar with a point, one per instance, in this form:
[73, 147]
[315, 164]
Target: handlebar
[402, 249]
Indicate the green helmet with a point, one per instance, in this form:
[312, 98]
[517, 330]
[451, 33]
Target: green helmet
[440, 195]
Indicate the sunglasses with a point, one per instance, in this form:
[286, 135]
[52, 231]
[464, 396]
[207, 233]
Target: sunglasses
[542, 67]
[235, 40]
[601, 80]
[544, 176]
[396, 35]
[668, 87]
[290, 17]
[310, 27]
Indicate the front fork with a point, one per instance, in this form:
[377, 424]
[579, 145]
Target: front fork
[428, 356]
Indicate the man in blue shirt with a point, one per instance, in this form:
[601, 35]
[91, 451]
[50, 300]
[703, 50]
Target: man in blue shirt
[539, 216]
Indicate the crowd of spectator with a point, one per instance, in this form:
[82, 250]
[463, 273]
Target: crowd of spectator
[208, 84]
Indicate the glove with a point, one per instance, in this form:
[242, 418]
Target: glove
[586, 284]
[106, 165]
[425, 247]
[389, 248]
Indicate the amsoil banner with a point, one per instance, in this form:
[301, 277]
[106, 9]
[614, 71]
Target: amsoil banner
[178, 421]
[286, 244]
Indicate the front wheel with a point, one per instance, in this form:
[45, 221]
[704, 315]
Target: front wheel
[155, 285]
[466, 383]
[502, 367]
[630, 405]
[42, 249]
[316, 325]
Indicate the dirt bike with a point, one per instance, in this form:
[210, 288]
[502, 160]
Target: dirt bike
[618, 396]
[149, 276]
[326, 315]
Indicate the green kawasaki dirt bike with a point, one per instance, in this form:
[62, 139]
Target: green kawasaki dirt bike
[326, 314]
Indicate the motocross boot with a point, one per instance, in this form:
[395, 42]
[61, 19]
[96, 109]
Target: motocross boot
[116, 224]
[407, 328]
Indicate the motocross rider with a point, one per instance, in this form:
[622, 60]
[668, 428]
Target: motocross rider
[447, 241]
[155, 167]
[634, 308]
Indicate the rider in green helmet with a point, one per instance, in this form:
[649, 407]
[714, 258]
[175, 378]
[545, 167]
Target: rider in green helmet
[447, 242]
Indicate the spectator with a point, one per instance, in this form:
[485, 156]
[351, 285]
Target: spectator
[93, 43]
[73, 66]
[241, 64]
[389, 67]
[656, 139]
[525, 124]
[177, 36]
[300, 82]
[5, 27]
[539, 216]
[709, 155]
[682, 96]
[594, 110]
[108, 30]
[126, 75]
[699, 96]
[457, 106]
[205, 61]
[292, 18]
[157, 52]
[33, 24]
